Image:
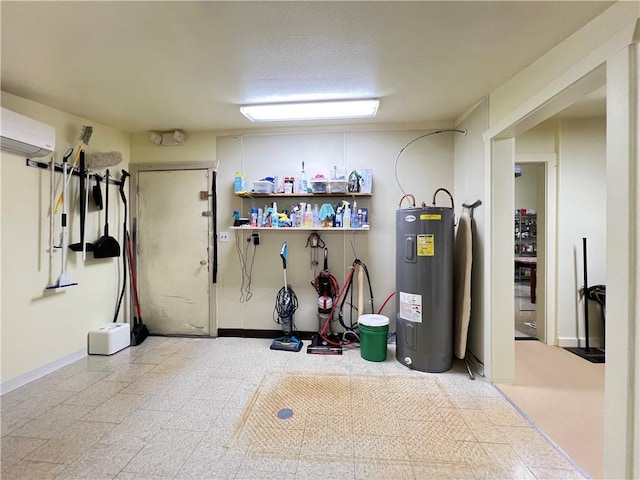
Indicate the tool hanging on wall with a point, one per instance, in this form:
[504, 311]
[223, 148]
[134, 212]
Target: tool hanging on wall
[63, 280]
[315, 243]
[106, 246]
[87, 130]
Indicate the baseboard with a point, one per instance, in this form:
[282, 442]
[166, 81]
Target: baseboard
[39, 372]
[250, 333]
[579, 342]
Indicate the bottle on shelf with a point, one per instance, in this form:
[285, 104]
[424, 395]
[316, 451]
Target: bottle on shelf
[308, 217]
[316, 216]
[346, 216]
[302, 181]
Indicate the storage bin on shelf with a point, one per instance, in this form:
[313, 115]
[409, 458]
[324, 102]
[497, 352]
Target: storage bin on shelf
[319, 185]
[263, 186]
[338, 186]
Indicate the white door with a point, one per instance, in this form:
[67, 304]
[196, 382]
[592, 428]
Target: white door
[172, 241]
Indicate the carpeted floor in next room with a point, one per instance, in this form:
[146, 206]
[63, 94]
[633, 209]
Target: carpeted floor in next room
[228, 408]
[563, 394]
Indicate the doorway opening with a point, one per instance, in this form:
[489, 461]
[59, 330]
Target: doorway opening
[525, 232]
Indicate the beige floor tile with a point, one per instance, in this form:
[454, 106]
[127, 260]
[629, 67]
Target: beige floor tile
[166, 454]
[11, 423]
[28, 470]
[484, 472]
[211, 461]
[377, 468]
[282, 462]
[138, 428]
[53, 422]
[140, 476]
[96, 394]
[444, 471]
[327, 445]
[276, 440]
[71, 444]
[116, 409]
[245, 474]
[379, 447]
[309, 469]
[14, 449]
[100, 461]
[37, 406]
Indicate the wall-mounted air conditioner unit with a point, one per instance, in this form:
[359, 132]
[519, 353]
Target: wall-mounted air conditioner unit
[26, 136]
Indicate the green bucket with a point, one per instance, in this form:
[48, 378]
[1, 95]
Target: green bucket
[374, 330]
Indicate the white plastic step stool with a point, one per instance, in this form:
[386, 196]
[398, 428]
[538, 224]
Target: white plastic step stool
[109, 338]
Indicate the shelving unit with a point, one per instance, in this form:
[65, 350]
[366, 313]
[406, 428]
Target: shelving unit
[310, 196]
[300, 229]
[300, 195]
[525, 235]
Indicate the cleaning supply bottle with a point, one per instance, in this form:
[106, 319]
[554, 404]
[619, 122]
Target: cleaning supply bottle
[316, 216]
[302, 181]
[338, 220]
[274, 215]
[308, 217]
[354, 215]
[239, 183]
[346, 215]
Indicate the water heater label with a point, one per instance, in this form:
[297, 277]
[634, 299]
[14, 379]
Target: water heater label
[411, 307]
[430, 216]
[426, 245]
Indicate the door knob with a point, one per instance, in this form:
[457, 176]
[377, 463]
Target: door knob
[203, 262]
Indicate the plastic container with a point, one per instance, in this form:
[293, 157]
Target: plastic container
[374, 330]
[338, 174]
[338, 186]
[263, 186]
[239, 183]
[319, 185]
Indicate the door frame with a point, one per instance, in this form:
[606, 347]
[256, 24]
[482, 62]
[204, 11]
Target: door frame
[212, 260]
[546, 265]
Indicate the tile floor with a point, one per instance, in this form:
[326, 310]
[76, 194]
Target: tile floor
[181, 408]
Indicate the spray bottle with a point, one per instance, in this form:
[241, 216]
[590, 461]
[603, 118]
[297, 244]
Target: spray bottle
[274, 215]
[354, 215]
[346, 215]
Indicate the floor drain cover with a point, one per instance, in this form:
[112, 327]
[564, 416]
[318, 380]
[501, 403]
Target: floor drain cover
[285, 413]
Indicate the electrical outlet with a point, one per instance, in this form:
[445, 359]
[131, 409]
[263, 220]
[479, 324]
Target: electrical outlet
[224, 236]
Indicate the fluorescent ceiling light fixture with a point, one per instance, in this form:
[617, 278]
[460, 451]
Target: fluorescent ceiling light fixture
[333, 109]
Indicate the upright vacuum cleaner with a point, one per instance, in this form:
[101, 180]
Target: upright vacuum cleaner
[286, 306]
[326, 286]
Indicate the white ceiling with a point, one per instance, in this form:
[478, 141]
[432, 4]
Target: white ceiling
[141, 66]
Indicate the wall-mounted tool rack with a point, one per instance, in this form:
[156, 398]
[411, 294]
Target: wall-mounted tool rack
[72, 171]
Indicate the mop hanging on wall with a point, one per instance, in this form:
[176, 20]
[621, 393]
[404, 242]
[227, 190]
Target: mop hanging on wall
[63, 280]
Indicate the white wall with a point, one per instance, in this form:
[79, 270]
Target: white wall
[423, 167]
[41, 326]
[582, 192]
[526, 187]
[469, 177]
